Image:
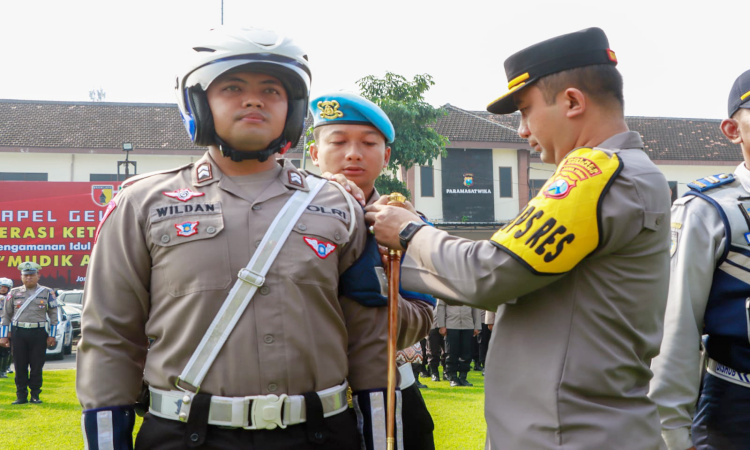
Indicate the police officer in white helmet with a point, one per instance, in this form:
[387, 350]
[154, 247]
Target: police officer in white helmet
[231, 267]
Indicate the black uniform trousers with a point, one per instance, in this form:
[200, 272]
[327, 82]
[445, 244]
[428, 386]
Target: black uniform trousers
[164, 434]
[29, 353]
[418, 425]
[484, 342]
[722, 417]
[435, 350]
[458, 351]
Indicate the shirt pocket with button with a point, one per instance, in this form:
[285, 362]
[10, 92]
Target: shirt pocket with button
[311, 254]
[190, 254]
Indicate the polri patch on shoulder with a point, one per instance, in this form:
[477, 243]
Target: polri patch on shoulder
[183, 194]
[321, 248]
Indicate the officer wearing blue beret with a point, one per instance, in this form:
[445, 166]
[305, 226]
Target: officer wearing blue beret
[351, 140]
[27, 309]
[708, 296]
[579, 279]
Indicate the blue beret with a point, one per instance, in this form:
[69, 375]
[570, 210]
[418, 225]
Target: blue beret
[344, 108]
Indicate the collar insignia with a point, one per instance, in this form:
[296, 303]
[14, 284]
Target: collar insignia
[184, 194]
[296, 179]
[203, 172]
[322, 249]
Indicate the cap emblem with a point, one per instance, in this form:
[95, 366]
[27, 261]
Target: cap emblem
[329, 109]
[612, 56]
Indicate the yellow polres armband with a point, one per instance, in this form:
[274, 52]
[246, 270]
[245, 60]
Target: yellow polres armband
[560, 226]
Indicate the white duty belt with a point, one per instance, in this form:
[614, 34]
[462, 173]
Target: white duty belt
[257, 412]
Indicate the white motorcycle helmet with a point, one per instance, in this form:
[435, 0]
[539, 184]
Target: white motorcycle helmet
[225, 49]
[7, 282]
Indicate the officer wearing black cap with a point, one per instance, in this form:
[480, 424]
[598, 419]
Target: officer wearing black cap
[708, 296]
[27, 309]
[579, 279]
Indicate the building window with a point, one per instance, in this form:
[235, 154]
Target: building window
[506, 181]
[22, 176]
[103, 177]
[534, 187]
[427, 181]
[673, 190]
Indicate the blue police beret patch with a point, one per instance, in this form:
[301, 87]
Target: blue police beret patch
[345, 108]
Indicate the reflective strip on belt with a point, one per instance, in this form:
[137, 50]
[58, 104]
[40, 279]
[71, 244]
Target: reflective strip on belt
[719, 370]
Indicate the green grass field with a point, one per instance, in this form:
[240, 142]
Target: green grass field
[458, 414]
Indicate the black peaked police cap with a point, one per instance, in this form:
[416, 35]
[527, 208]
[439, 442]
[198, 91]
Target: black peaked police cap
[583, 48]
[739, 96]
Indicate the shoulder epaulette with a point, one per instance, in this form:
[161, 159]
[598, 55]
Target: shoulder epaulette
[711, 182]
[132, 180]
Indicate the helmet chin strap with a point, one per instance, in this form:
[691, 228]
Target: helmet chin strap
[279, 145]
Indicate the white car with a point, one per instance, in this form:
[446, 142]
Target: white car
[64, 339]
[73, 302]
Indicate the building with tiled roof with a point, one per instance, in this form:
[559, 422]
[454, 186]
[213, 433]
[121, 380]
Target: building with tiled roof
[487, 175]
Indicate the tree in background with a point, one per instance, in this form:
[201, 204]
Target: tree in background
[417, 142]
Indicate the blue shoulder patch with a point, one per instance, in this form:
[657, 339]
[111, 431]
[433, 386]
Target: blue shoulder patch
[360, 281]
[710, 182]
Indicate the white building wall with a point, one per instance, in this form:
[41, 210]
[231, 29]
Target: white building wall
[432, 207]
[685, 174]
[78, 166]
[506, 208]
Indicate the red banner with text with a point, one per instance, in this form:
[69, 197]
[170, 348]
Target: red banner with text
[53, 224]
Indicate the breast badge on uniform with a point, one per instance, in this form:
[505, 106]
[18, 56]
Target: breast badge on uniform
[186, 228]
[321, 248]
[183, 194]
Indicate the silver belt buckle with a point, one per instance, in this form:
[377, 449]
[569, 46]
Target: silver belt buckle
[266, 412]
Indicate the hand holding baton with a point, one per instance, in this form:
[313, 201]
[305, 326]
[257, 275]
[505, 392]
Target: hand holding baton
[394, 269]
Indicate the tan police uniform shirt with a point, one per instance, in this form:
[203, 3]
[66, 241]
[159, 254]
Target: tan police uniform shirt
[165, 259]
[568, 363]
[40, 308]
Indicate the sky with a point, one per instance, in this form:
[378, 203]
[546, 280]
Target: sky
[678, 58]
